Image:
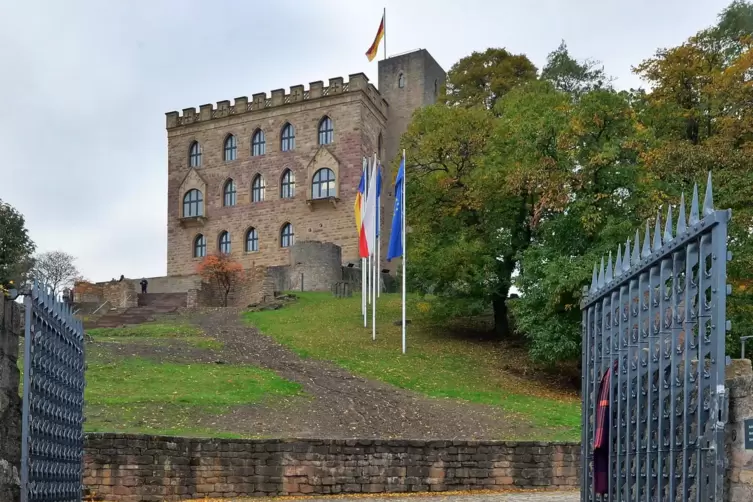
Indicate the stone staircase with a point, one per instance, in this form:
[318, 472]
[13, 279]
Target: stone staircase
[149, 306]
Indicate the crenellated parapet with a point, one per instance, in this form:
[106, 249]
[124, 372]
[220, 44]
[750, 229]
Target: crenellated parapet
[260, 101]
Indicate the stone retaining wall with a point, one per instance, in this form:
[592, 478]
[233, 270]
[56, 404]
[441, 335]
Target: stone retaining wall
[122, 467]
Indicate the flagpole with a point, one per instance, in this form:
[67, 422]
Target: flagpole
[374, 280]
[378, 268]
[405, 248]
[364, 308]
[368, 258]
[384, 18]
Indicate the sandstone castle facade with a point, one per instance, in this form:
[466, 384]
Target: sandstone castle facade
[252, 177]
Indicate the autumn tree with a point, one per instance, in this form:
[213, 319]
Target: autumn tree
[16, 247]
[56, 269]
[223, 271]
[700, 114]
[483, 77]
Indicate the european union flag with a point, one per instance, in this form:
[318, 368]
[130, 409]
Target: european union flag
[395, 248]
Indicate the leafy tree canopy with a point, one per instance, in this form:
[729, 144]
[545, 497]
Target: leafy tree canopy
[16, 247]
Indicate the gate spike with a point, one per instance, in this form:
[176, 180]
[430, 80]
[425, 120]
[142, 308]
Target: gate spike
[626, 258]
[646, 252]
[682, 225]
[694, 216]
[635, 257]
[657, 232]
[610, 269]
[594, 281]
[618, 263]
[708, 198]
[668, 226]
[600, 280]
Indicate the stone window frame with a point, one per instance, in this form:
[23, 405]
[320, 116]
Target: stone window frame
[200, 246]
[194, 154]
[287, 235]
[287, 185]
[224, 245]
[257, 192]
[252, 240]
[258, 143]
[230, 148]
[401, 80]
[326, 131]
[317, 183]
[287, 137]
[193, 206]
[229, 193]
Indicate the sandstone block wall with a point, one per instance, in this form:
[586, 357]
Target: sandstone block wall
[739, 482]
[148, 468]
[10, 402]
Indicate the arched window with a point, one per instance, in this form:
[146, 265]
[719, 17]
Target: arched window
[225, 242]
[401, 80]
[323, 184]
[193, 204]
[200, 246]
[194, 155]
[231, 147]
[326, 131]
[287, 185]
[287, 140]
[258, 143]
[252, 240]
[257, 189]
[287, 238]
[229, 193]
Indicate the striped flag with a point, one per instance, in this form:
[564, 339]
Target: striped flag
[358, 206]
[372, 52]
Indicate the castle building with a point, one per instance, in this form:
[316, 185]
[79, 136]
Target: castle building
[251, 177]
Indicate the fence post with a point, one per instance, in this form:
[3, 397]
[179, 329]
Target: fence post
[10, 404]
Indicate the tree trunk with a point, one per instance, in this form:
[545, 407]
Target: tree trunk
[501, 317]
[224, 300]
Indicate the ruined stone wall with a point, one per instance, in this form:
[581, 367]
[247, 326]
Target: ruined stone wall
[10, 402]
[315, 266]
[149, 468]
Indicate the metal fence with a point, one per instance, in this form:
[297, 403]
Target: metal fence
[53, 401]
[654, 360]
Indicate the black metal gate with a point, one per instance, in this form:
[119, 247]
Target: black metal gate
[53, 401]
[654, 331]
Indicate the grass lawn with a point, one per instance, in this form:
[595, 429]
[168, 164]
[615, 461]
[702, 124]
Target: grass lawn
[437, 363]
[156, 332]
[139, 393]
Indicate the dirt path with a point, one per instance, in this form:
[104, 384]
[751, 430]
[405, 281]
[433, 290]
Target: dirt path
[342, 405]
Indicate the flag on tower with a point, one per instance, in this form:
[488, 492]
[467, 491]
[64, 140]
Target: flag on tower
[372, 52]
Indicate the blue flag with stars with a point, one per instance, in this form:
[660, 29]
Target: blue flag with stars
[395, 248]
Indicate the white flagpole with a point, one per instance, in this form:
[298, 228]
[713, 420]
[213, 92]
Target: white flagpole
[405, 249]
[364, 287]
[369, 277]
[374, 277]
[378, 268]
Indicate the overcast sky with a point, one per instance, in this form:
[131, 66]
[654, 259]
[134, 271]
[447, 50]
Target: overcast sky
[85, 84]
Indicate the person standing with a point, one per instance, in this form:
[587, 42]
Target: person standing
[144, 284]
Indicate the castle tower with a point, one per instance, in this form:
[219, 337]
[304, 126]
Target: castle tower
[407, 82]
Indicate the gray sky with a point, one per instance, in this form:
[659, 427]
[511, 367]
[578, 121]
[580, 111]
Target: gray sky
[84, 86]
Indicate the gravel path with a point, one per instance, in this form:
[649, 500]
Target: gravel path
[341, 405]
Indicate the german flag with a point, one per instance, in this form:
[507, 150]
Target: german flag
[372, 52]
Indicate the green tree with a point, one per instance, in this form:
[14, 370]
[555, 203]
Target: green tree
[580, 162]
[483, 77]
[571, 76]
[16, 248]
